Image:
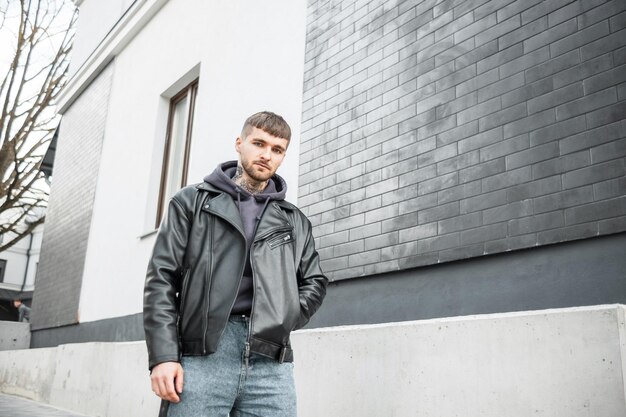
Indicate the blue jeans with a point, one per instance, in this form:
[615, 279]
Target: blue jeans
[228, 381]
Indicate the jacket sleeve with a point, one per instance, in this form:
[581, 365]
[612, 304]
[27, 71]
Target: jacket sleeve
[160, 309]
[311, 280]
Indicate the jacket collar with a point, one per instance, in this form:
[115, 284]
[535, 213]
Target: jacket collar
[222, 205]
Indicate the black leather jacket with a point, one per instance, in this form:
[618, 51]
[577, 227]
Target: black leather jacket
[197, 264]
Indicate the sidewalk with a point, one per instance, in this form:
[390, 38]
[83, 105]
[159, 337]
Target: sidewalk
[11, 406]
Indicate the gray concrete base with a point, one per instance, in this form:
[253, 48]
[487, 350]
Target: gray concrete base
[14, 335]
[557, 363]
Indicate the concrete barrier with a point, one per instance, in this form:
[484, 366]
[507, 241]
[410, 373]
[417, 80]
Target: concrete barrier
[14, 335]
[556, 363]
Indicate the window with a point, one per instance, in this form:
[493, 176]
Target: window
[178, 139]
[3, 267]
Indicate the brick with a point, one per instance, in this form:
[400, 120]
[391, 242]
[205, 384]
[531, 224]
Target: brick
[435, 49]
[459, 192]
[478, 111]
[435, 100]
[381, 241]
[467, 6]
[526, 92]
[476, 55]
[594, 173]
[572, 10]
[436, 155]
[618, 22]
[350, 197]
[435, 74]
[454, 52]
[416, 121]
[552, 66]
[418, 175]
[456, 105]
[494, 60]
[442, 211]
[517, 6]
[615, 187]
[400, 194]
[511, 243]
[523, 32]
[498, 30]
[514, 210]
[438, 243]
[455, 78]
[506, 179]
[396, 252]
[436, 127]
[580, 38]
[458, 223]
[382, 213]
[603, 45]
[444, 6]
[490, 7]
[350, 222]
[505, 147]
[555, 98]
[334, 239]
[369, 203]
[608, 151]
[334, 264]
[418, 232]
[501, 117]
[480, 140]
[538, 222]
[591, 138]
[501, 87]
[399, 142]
[564, 199]
[600, 13]
[582, 71]
[418, 203]
[403, 221]
[614, 225]
[562, 234]
[534, 188]
[348, 248]
[529, 123]
[525, 61]
[462, 252]
[417, 96]
[483, 201]
[458, 162]
[532, 155]
[606, 115]
[557, 131]
[586, 104]
[479, 82]
[484, 233]
[596, 211]
[458, 133]
[475, 28]
[561, 164]
[454, 26]
[541, 9]
[437, 183]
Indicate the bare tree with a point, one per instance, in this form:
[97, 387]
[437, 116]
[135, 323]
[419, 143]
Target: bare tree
[43, 32]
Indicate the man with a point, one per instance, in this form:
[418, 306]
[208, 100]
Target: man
[233, 271]
[23, 311]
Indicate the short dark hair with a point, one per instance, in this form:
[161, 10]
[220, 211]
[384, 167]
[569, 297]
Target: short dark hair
[268, 122]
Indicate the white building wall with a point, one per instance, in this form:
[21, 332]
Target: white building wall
[18, 256]
[249, 57]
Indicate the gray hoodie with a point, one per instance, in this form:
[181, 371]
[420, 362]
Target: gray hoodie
[251, 207]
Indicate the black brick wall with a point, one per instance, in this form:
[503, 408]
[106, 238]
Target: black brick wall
[68, 219]
[436, 131]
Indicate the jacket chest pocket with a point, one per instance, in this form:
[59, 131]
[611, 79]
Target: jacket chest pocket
[280, 239]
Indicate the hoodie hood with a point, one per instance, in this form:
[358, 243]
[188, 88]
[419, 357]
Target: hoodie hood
[221, 178]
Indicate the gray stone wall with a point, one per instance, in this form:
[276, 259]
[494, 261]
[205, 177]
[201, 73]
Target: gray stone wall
[68, 220]
[442, 130]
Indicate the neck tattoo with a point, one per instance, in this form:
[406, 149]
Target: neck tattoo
[251, 186]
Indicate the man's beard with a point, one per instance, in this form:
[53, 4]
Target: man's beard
[253, 172]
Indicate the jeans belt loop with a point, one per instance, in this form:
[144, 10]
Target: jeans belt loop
[283, 353]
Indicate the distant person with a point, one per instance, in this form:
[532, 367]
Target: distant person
[23, 310]
[233, 271]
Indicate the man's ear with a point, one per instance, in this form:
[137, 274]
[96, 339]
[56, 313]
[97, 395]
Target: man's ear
[238, 143]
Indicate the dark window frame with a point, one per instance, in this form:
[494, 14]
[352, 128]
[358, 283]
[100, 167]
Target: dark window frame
[3, 268]
[190, 91]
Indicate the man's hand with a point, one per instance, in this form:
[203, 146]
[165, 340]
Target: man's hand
[167, 380]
